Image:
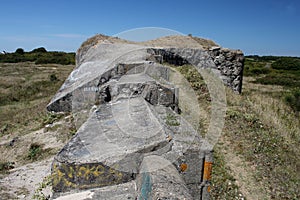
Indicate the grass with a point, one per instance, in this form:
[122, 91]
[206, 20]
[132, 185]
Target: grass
[261, 127]
[26, 89]
[223, 183]
[265, 131]
[171, 120]
[38, 152]
[39, 192]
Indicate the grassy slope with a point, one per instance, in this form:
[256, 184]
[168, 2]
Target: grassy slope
[264, 131]
[258, 155]
[26, 89]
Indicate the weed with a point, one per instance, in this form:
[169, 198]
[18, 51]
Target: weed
[51, 117]
[39, 194]
[4, 166]
[53, 78]
[4, 129]
[35, 151]
[171, 120]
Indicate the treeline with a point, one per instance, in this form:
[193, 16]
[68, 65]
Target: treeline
[278, 62]
[275, 62]
[38, 56]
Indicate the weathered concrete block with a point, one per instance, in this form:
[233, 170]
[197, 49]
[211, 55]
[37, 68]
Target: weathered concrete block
[159, 179]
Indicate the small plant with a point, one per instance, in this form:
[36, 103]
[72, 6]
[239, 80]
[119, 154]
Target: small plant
[53, 78]
[3, 129]
[51, 117]
[35, 151]
[171, 120]
[73, 131]
[38, 194]
[4, 166]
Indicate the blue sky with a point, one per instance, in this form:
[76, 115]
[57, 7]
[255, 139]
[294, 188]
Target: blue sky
[264, 27]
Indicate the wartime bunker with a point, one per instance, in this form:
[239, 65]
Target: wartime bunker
[133, 142]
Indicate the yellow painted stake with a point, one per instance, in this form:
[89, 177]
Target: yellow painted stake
[207, 170]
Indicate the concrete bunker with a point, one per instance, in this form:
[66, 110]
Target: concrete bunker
[134, 141]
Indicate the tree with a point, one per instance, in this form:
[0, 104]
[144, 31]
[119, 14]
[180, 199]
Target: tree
[39, 50]
[20, 51]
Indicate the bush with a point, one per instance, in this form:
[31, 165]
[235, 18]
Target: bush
[293, 99]
[20, 51]
[39, 50]
[291, 80]
[253, 68]
[258, 71]
[53, 78]
[287, 63]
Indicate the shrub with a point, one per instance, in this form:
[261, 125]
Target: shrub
[34, 151]
[255, 68]
[258, 71]
[291, 80]
[4, 166]
[293, 99]
[53, 78]
[287, 63]
[39, 50]
[20, 51]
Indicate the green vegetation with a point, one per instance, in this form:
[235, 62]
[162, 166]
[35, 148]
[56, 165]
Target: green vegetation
[256, 67]
[261, 130]
[292, 98]
[287, 63]
[38, 56]
[46, 183]
[171, 120]
[283, 71]
[266, 148]
[26, 89]
[271, 70]
[4, 166]
[51, 117]
[223, 183]
[35, 150]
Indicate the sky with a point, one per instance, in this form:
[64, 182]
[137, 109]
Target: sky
[260, 27]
